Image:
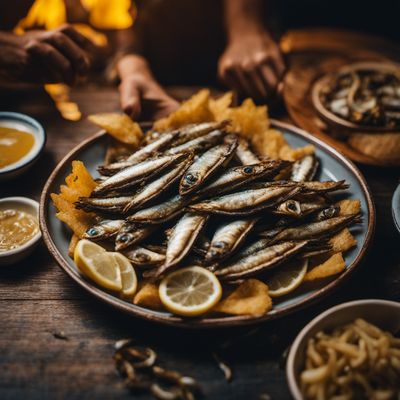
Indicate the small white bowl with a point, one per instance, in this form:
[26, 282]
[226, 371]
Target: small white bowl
[30, 207]
[385, 314]
[24, 123]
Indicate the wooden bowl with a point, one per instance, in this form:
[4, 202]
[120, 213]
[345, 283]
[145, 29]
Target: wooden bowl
[335, 121]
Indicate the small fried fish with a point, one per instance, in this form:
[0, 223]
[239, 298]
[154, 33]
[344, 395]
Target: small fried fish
[201, 169]
[260, 261]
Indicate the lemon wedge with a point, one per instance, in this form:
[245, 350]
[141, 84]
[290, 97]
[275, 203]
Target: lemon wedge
[128, 274]
[98, 265]
[190, 291]
[287, 279]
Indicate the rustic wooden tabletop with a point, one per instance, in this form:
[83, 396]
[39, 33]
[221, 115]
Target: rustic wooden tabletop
[37, 299]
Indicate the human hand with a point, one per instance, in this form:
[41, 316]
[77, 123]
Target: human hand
[141, 95]
[59, 55]
[252, 65]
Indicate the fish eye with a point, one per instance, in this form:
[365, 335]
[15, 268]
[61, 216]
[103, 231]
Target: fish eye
[248, 170]
[92, 232]
[291, 206]
[190, 178]
[124, 238]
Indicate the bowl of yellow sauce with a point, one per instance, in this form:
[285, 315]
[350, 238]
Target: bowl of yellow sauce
[22, 140]
[19, 228]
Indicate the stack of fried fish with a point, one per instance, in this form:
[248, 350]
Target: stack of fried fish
[199, 195]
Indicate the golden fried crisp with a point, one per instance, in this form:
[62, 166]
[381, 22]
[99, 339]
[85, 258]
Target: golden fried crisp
[77, 220]
[79, 183]
[120, 126]
[194, 110]
[72, 244]
[80, 179]
[349, 206]
[343, 241]
[148, 296]
[332, 266]
[220, 107]
[250, 298]
[249, 120]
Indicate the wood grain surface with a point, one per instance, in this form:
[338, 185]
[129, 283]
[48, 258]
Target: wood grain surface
[38, 299]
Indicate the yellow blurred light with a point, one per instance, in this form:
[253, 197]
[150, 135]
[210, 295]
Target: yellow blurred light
[98, 38]
[103, 14]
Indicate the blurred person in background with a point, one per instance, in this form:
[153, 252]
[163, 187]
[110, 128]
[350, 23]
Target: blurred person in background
[196, 42]
[233, 42]
[48, 41]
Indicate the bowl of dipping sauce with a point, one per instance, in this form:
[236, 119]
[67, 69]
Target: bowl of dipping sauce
[19, 228]
[22, 139]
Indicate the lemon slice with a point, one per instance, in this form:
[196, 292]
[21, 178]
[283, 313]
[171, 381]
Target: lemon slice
[190, 291]
[98, 265]
[128, 274]
[287, 279]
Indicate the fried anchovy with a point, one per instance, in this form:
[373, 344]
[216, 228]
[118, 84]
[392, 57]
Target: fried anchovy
[106, 204]
[140, 155]
[329, 212]
[160, 212]
[189, 132]
[198, 144]
[194, 131]
[144, 257]
[227, 239]
[181, 240]
[104, 230]
[244, 154]
[158, 186]
[304, 169]
[297, 209]
[207, 164]
[262, 260]
[134, 174]
[324, 187]
[201, 245]
[130, 234]
[246, 202]
[238, 176]
[315, 230]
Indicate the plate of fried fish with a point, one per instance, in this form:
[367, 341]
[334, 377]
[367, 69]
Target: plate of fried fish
[212, 216]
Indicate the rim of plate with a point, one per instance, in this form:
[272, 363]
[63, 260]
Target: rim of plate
[396, 207]
[208, 322]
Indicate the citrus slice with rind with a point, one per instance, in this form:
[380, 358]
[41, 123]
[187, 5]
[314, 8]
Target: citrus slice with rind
[98, 265]
[128, 274]
[287, 279]
[190, 291]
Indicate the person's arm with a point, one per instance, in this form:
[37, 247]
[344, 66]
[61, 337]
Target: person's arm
[252, 63]
[60, 55]
[141, 96]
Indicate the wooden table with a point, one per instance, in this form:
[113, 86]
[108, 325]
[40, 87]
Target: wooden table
[38, 299]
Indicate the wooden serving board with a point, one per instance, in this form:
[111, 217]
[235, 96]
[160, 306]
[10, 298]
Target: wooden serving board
[314, 52]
